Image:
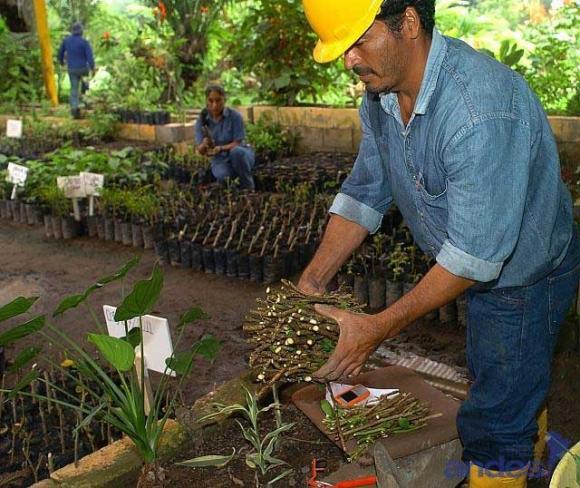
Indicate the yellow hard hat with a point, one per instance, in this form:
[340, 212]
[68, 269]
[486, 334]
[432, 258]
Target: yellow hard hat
[338, 24]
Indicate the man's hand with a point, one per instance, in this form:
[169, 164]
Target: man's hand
[310, 286]
[360, 335]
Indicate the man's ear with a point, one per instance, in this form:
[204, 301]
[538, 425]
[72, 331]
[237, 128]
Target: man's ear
[411, 23]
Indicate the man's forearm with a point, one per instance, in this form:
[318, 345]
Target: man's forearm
[437, 288]
[341, 238]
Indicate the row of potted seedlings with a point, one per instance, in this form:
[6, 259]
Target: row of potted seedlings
[322, 171]
[149, 117]
[389, 265]
[258, 237]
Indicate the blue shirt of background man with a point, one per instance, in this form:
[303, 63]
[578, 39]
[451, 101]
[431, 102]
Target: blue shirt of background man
[228, 129]
[79, 54]
[475, 172]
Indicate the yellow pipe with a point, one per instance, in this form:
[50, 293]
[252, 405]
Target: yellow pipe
[45, 50]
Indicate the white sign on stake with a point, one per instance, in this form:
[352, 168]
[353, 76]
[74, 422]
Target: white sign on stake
[72, 186]
[14, 128]
[92, 183]
[17, 174]
[157, 344]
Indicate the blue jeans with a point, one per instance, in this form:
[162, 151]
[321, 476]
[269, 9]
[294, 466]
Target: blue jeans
[511, 336]
[237, 163]
[75, 76]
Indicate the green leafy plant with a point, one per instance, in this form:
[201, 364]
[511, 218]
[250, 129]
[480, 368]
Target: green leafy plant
[509, 54]
[122, 403]
[270, 139]
[261, 457]
[554, 60]
[270, 26]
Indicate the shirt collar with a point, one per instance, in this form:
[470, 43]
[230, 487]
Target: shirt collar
[437, 53]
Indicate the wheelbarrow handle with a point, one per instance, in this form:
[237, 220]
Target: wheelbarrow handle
[368, 481]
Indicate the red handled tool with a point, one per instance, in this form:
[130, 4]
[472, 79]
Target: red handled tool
[359, 482]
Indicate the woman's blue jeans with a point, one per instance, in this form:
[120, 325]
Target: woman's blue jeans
[511, 336]
[237, 163]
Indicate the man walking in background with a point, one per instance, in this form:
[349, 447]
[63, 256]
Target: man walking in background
[79, 60]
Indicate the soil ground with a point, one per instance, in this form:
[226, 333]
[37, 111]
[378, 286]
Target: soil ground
[32, 265]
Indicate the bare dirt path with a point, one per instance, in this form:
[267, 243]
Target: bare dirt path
[31, 265]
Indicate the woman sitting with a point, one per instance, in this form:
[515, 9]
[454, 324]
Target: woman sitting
[219, 133]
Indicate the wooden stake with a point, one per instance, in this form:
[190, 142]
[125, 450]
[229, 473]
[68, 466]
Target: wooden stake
[144, 382]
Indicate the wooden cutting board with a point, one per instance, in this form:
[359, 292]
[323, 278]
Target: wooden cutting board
[438, 430]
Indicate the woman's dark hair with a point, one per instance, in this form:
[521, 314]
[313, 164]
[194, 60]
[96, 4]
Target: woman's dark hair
[392, 12]
[215, 88]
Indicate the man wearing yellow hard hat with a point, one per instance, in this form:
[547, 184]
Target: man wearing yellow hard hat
[462, 146]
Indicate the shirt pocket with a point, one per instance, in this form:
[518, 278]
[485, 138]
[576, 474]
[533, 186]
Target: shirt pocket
[433, 210]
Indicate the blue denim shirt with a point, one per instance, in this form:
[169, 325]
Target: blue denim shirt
[228, 129]
[475, 172]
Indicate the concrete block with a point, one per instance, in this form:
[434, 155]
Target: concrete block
[118, 464]
[189, 131]
[311, 139]
[271, 113]
[430, 468]
[247, 112]
[129, 132]
[169, 133]
[566, 129]
[146, 132]
[338, 140]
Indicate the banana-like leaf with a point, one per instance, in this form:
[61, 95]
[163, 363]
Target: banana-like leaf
[23, 383]
[75, 300]
[192, 315]
[133, 337]
[119, 274]
[118, 352]
[219, 461]
[16, 307]
[180, 362]
[22, 330]
[208, 347]
[142, 298]
[25, 356]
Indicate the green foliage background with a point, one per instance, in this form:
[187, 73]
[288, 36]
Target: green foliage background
[260, 50]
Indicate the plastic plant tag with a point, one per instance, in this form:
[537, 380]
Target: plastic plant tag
[92, 183]
[157, 344]
[72, 186]
[14, 128]
[17, 174]
[373, 398]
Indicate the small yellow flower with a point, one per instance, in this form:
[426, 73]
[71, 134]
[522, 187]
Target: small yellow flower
[67, 363]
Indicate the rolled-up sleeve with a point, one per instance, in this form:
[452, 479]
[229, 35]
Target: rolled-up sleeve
[365, 195]
[487, 165]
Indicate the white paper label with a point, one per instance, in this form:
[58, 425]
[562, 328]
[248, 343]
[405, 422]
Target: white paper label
[157, 345]
[14, 128]
[17, 174]
[375, 394]
[72, 186]
[92, 183]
